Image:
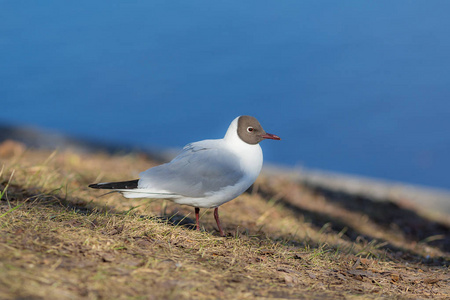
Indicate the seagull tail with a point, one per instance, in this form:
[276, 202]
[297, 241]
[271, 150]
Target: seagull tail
[130, 189]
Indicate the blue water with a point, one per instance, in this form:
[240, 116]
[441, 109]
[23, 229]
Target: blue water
[351, 86]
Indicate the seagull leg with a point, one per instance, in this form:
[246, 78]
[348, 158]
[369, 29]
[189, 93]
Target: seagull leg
[216, 216]
[197, 212]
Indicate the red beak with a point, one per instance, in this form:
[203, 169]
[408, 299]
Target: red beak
[271, 136]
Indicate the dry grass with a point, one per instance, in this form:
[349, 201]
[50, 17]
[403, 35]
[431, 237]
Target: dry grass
[61, 240]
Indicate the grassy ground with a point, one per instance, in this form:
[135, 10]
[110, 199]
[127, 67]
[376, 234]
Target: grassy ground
[61, 240]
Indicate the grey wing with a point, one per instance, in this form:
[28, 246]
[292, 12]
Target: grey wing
[199, 169]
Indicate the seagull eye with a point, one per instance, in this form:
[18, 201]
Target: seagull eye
[250, 129]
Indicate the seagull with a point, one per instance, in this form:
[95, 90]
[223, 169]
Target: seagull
[206, 174]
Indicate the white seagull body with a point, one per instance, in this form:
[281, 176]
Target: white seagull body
[206, 174]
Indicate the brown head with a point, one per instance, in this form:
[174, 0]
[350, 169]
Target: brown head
[250, 131]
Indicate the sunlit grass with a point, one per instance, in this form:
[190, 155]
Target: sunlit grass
[61, 240]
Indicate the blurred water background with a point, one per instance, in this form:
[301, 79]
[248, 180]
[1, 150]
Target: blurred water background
[356, 87]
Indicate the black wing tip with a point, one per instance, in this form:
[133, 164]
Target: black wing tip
[131, 184]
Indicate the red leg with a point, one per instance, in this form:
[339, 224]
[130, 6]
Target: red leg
[197, 212]
[216, 216]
